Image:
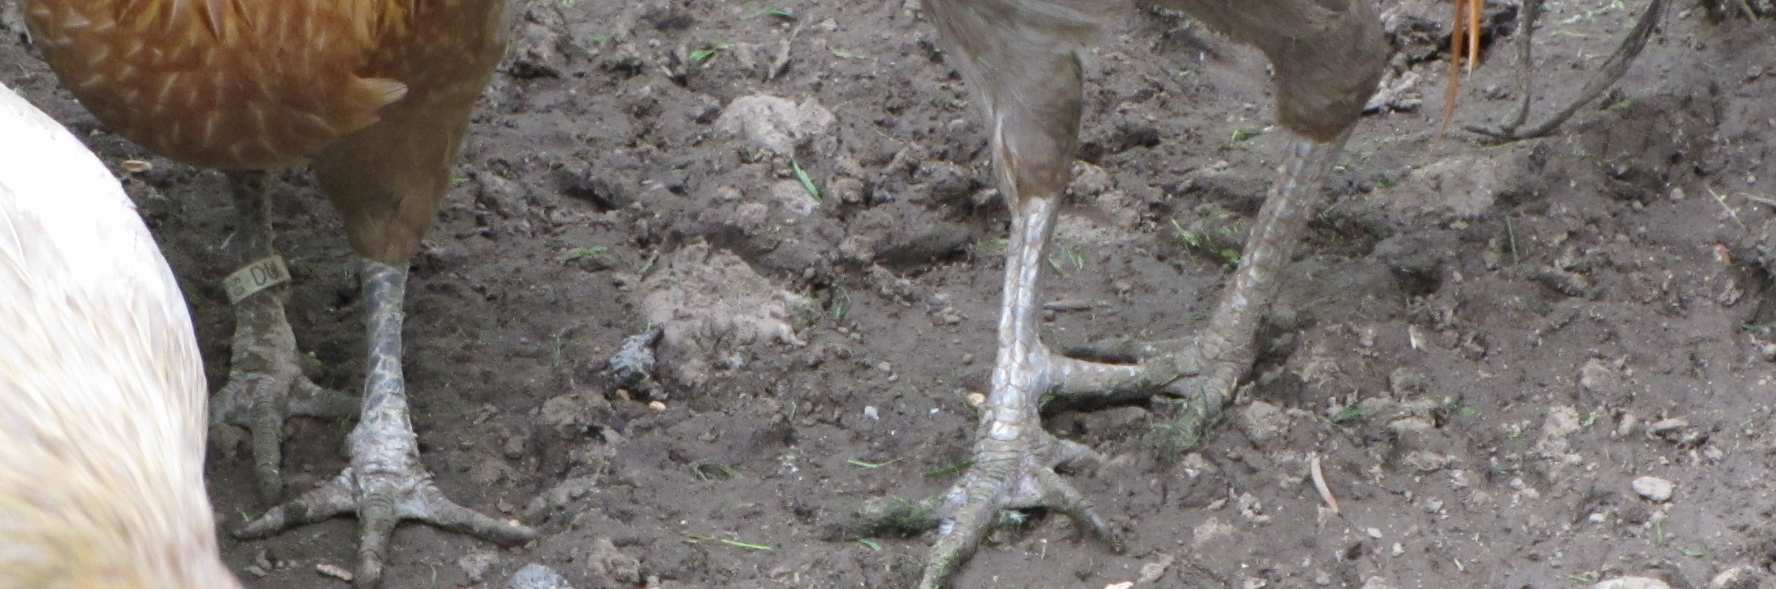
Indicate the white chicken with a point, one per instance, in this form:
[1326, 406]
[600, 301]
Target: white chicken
[103, 390]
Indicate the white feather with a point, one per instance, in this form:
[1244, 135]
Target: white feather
[102, 393]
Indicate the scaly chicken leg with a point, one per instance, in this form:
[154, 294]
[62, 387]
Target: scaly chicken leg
[386, 482]
[386, 181]
[1023, 60]
[265, 381]
[376, 94]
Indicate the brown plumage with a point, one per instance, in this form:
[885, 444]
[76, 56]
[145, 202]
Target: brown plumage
[102, 438]
[375, 95]
[262, 84]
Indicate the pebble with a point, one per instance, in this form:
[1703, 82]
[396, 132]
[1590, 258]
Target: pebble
[603, 560]
[1739, 577]
[1632, 583]
[335, 571]
[1263, 421]
[475, 565]
[1210, 530]
[1151, 572]
[1653, 489]
[536, 576]
[1663, 427]
[774, 123]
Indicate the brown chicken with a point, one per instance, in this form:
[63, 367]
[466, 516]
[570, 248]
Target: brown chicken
[1023, 60]
[375, 95]
[102, 438]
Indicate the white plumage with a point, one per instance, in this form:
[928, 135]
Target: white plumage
[102, 392]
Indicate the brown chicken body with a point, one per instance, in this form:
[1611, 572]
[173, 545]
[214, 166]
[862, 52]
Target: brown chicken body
[375, 95]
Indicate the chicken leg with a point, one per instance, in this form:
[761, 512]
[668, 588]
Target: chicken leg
[377, 97]
[386, 181]
[265, 381]
[1023, 60]
[386, 482]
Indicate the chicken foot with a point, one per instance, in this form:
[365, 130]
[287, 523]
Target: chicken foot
[1204, 373]
[386, 482]
[265, 382]
[1023, 60]
[1015, 461]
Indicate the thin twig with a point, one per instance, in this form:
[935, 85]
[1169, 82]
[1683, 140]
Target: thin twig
[1511, 233]
[1759, 200]
[1313, 466]
[1607, 75]
[1722, 199]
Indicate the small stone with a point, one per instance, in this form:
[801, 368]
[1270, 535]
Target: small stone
[1376, 583]
[1263, 421]
[561, 495]
[1412, 425]
[607, 562]
[774, 123]
[976, 399]
[1195, 465]
[1666, 429]
[489, 471]
[1426, 462]
[1739, 577]
[1210, 530]
[572, 415]
[1632, 583]
[1089, 180]
[754, 214]
[1597, 377]
[848, 190]
[475, 565]
[1561, 421]
[1406, 382]
[1250, 507]
[656, 406]
[871, 413]
[536, 576]
[1654, 489]
[1151, 572]
[335, 571]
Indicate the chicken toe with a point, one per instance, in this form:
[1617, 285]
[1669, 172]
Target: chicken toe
[385, 483]
[265, 381]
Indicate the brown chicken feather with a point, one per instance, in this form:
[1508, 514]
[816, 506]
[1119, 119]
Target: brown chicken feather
[231, 84]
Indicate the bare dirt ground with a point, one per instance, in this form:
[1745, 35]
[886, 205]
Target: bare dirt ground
[1483, 346]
